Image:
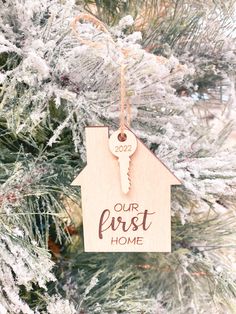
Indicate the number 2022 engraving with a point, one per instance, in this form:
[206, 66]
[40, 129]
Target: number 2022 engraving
[123, 148]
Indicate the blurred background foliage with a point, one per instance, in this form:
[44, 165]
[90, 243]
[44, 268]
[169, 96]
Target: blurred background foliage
[201, 34]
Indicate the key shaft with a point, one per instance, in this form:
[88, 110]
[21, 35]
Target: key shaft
[123, 150]
[124, 163]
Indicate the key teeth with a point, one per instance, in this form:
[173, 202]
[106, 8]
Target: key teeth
[126, 186]
[125, 180]
[129, 180]
[128, 183]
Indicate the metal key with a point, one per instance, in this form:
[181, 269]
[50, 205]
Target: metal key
[123, 149]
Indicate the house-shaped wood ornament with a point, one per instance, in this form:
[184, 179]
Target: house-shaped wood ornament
[139, 221]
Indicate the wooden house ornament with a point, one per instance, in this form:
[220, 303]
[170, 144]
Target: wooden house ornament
[135, 221]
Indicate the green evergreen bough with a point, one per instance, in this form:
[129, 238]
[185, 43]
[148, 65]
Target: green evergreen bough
[51, 87]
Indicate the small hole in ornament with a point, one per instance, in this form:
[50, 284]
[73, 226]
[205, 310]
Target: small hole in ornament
[122, 137]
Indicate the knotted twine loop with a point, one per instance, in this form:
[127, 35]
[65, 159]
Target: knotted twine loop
[125, 108]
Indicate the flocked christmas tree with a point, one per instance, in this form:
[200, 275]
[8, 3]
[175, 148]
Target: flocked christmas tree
[180, 83]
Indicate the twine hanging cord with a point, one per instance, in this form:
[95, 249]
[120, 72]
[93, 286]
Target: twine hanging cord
[125, 109]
